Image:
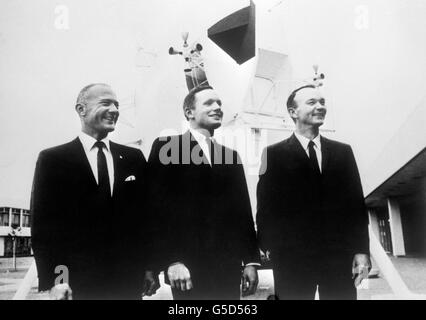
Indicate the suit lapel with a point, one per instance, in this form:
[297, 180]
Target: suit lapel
[117, 158]
[326, 151]
[193, 143]
[298, 151]
[79, 158]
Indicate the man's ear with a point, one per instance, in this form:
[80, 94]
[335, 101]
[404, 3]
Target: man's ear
[189, 113]
[292, 113]
[81, 109]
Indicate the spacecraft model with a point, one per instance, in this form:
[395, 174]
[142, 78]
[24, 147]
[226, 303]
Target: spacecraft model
[317, 80]
[194, 72]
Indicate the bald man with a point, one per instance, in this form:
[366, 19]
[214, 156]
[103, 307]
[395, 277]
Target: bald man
[87, 210]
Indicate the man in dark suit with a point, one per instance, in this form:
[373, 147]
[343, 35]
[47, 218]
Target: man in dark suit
[311, 214]
[200, 194]
[88, 221]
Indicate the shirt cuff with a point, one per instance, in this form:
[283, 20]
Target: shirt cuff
[253, 264]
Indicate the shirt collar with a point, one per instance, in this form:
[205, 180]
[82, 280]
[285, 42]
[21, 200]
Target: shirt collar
[305, 141]
[199, 136]
[88, 141]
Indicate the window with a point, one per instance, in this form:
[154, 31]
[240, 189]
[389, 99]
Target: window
[26, 219]
[4, 217]
[16, 217]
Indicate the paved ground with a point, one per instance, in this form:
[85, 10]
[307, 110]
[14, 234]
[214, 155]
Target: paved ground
[10, 279]
[413, 271]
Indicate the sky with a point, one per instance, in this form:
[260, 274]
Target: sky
[373, 56]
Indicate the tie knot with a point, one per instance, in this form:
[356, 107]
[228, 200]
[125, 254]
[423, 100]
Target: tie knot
[100, 145]
[209, 140]
[311, 144]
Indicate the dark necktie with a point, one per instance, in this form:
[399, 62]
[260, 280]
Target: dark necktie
[313, 157]
[103, 177]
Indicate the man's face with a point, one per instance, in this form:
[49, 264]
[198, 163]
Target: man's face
[101, 110]
[311, 109]
[207, 113]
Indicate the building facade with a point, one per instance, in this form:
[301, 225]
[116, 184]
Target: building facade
[16, 219]
[396, 190]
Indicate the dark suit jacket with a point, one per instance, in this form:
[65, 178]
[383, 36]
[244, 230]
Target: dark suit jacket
[102, 242]
[204, 212]
[297, 218]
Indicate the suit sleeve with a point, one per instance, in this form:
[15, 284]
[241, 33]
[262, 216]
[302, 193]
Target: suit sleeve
[356, 205]
[145, 241]
[45, 222]
[158, 195]
[250, 249]
[265, 214]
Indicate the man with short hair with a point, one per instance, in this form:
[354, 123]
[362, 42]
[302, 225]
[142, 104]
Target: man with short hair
[88, 217]
[311, 214]
[200, 195]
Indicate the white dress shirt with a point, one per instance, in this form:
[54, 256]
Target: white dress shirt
[317, 146]
[92, 155]
[202, 141]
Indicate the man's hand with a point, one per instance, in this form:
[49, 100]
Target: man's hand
[361, 266]
[250, 280]
[151, 284]
[179, 277]
[61, 291]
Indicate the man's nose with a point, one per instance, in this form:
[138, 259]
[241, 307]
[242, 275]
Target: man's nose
[217, 107]
[113, 108]
[321, 107]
